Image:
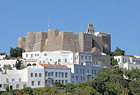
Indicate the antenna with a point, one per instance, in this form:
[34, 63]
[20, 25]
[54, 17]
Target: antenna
[48, 23]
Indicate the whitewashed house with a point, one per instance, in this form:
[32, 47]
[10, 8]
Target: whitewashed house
[33, 77]
[57, 73]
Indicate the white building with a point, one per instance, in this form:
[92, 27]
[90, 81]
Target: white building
[33, 77]
[57, 73]
[2, 57]
[126, 59]
[73, 60]
[7, 62]
[131, 66]
[84, 72]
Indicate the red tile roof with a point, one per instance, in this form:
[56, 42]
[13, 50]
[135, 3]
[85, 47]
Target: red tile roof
[51, 65]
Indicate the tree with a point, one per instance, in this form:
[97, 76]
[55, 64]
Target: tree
[7, 67]
[27, 90]
[16, 52]
[18, 64]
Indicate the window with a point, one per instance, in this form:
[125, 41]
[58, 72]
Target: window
[46, 81]
[19, 79]
[76, 70]
[81, 57]
[7, 80]
[62, 74]
[65, 60]
[39, 74]
[66, 74]
[50, 59]
[43, 62]
[46, 73]
[62, 81]
[5, 85]
[59, 81]
[76, 77]
[13, 80]
[80, 71]
[31, 55]
[119, 60]
[49, 74]
[83, 71]
[92, 72]
[55, 74]
[66, 81]
[52, 74]
[72, 76]
[59, 74]
[40, 62]
[17, 85]
[32, 83]
[38, 82]
[45, 54]
[26, 55]
[31, 74]
[85, 57]
[35, 74]
[59, 60]
[81, 77]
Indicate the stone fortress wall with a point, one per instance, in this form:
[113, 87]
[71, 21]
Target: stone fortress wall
[54, 40]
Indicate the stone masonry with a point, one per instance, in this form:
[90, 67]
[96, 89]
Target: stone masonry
[54, 40]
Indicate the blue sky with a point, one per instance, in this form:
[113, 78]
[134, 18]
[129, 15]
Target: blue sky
[120, 18]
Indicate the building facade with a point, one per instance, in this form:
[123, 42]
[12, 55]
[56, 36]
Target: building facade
[126, 59]
[57, 73]
[33, 77]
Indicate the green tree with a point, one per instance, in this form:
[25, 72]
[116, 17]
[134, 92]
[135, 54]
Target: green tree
[16, 52]
[18, 64]
[27, 90]
[7, 67]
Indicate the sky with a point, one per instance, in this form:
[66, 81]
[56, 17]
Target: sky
[120, 18]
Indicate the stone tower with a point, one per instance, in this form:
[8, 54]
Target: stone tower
[90, 28]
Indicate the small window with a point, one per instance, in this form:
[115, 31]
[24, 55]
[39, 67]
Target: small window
[83, 71]
[13, 80]
[17, 85]
[59, 74]
[55, 74]
[19, 79]
[38, 82]
[35, 74]
[62, 74]
[32, 83]
[49, 74]
[66, 60]
[59, 60]
[52, 74]
[80, 71]
[76, 70]
[31, 74]
[46, 73]
[66, 74]
[40, 75]
[45, 54]
[62, 81]
[66, 81]
[50, 59]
